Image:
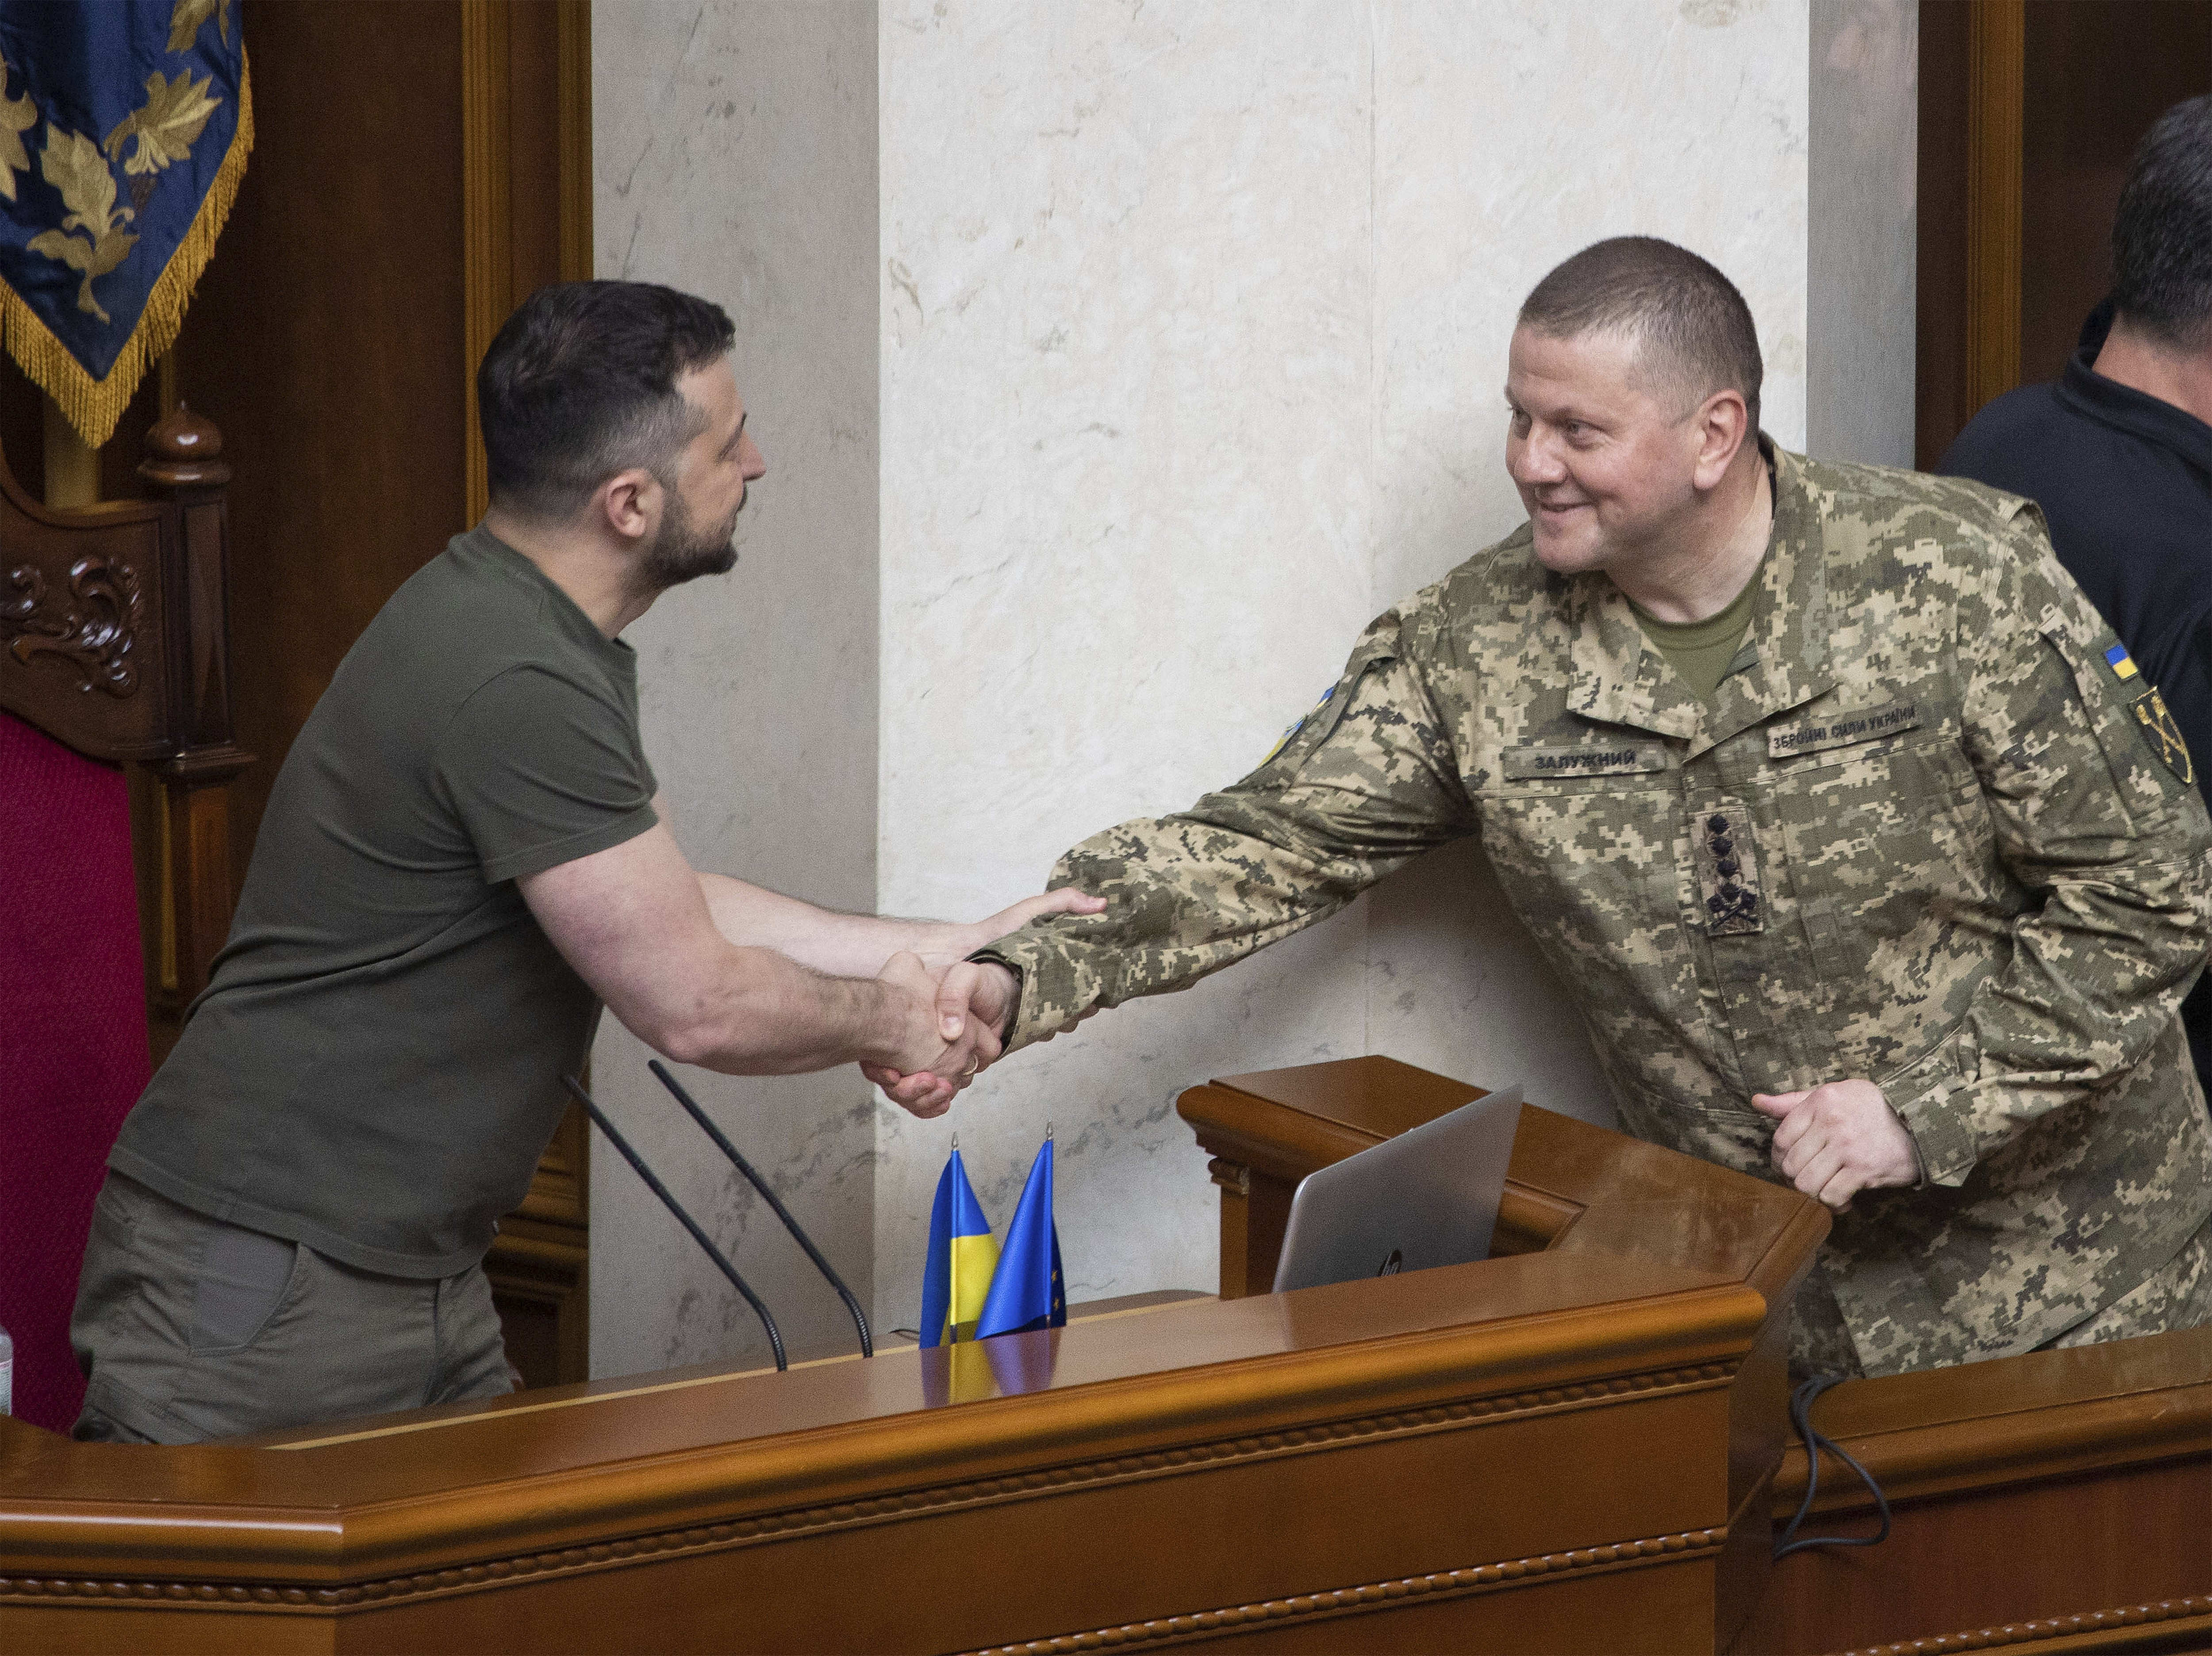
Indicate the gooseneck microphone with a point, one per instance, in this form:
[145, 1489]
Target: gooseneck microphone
[599, 1116]
[798, 1234]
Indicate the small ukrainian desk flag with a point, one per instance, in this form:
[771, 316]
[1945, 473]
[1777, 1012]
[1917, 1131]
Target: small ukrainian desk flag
[1026, 1290]
[962, 1257]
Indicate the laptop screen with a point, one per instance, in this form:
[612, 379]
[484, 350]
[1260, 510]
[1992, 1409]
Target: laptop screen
[1427, 1198]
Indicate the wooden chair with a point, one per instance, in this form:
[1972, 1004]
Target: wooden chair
[114, 643]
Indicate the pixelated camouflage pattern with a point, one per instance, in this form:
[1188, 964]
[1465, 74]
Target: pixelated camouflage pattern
[1974, 880]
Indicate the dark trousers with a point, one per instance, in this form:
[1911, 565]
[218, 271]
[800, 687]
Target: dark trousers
[188, 1329]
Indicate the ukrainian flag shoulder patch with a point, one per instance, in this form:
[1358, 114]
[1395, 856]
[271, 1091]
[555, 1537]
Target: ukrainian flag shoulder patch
[2121, 664]
[1327, 697]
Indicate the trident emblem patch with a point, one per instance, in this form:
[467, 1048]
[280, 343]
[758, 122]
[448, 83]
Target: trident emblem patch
[2165, 735]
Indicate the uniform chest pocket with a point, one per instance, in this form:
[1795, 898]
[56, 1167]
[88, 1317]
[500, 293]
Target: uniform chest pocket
[1892, 856]
[1589, 861]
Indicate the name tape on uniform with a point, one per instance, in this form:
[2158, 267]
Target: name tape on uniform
[1582, 759]
[1841, 729]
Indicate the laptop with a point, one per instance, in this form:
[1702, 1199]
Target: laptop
[1427, 1198]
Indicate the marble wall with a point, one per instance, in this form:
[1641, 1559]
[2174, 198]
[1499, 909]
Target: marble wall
[734, 154]
[1863, 193]
[1121, 360]
[1194, 324]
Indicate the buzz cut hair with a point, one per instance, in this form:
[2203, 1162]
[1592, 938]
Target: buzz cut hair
[2163, 231]
[1696, 332]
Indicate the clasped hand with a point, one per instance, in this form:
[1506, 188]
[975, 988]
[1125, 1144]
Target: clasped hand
[1838, 1139]
[946, 1046]
[970, 1001]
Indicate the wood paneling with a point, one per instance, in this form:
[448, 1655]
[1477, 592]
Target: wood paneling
[325, 341]
[2029, 115]
[1940, 410]
[1995, 36]
[2062, 1494]
[2099, 73]
[486, 214]
[1545, 1452]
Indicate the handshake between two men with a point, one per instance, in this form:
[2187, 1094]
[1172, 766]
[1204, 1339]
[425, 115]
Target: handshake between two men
[1831, 1142]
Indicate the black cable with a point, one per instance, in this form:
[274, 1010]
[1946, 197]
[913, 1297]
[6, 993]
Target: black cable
[798, 1234]
[599, 1116]
[1801, 1416]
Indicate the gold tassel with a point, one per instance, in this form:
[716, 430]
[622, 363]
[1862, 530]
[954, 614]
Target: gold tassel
[94, 406]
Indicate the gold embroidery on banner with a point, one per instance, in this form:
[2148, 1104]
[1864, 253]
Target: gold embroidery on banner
[175, 111]
[185, 21]
[17, 116]
[175, 114]
[72, 163]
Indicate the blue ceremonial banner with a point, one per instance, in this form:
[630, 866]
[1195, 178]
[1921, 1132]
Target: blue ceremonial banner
[1026, 1291]
[125, 126]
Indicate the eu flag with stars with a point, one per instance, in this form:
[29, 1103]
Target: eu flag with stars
[957, 1274]
[1026, 1291]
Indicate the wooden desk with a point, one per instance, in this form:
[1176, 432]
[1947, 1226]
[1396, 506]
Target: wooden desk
[2061, 1501]
[1537, 1452]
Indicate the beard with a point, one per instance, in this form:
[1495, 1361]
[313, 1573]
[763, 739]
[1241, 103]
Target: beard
[683, 551]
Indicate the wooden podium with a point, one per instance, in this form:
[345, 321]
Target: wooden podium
[2061, 1501]
[1567, 1448]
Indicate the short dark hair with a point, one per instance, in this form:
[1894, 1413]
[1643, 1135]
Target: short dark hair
[581, 383]
[2162, 233]
[1689, 316]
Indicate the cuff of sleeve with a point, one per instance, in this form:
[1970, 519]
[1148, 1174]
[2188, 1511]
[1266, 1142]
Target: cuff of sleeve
[1047, 1001]
[1932, 1099]
[536, 859]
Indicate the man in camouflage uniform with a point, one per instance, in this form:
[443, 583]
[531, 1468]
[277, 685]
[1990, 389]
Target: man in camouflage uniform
[1901, 910]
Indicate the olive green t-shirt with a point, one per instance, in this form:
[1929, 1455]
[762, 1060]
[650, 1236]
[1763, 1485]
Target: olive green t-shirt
[1700, 651]
[375, 1067]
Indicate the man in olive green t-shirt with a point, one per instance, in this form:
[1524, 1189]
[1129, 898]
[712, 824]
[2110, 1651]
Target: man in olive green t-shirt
[460, 862]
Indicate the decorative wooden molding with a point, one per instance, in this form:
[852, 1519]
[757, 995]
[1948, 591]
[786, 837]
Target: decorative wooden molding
[1231, 1176]
[1996, 89]
[777, 1526]
[184, 451]
[94, 630]
[1331, 1602]
[2029, 1419]
[487, 255]
[2119, 1628]
[575, 140]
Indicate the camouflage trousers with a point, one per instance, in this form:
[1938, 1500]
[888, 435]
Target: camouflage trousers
[2178, 1295]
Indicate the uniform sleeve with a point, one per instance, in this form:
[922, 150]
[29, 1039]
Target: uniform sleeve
[542, 772]
[2094, 815]
[1366, 783]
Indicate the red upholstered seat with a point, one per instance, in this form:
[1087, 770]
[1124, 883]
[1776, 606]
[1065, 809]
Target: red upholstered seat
[73, 1055]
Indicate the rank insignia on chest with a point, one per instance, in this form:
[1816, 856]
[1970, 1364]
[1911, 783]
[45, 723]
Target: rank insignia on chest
[2150, 711]
[1728, 890]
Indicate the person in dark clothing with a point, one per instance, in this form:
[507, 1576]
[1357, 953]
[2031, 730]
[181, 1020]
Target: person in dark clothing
[2117, 451]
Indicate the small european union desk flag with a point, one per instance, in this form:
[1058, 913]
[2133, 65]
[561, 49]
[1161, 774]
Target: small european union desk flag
[1026, 1291]
[961, 1256]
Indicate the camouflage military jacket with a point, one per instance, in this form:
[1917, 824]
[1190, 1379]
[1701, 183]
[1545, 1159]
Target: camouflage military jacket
[1935, 831]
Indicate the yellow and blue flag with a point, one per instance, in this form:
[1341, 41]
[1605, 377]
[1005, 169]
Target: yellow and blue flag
[963, 1254]
[123, 130]
[1026, 1290]
[2121, 664]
